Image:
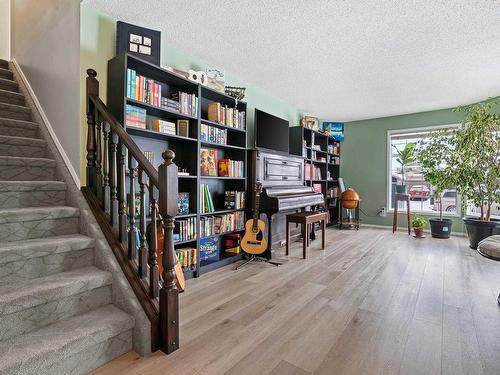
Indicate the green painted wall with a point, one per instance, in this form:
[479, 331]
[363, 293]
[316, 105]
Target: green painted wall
[364, 158]
[97, 44]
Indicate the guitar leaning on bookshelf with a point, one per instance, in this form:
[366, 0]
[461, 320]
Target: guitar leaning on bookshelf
[253, 241]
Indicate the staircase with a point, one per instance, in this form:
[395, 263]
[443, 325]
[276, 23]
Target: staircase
[56, 311]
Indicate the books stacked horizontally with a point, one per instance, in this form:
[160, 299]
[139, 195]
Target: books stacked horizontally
[230, 168]
[213, 134]
[217, 224]
[143, 89]
[187, 258]
[171, 104]
[188, 103]
[226, 116]
[234, 200]
[162, 126]
[135, 116]
[206, 202]
[184, 230]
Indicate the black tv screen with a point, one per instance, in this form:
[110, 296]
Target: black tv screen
[271, 132]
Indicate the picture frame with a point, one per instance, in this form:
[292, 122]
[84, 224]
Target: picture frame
[138, 41]
[310, 122]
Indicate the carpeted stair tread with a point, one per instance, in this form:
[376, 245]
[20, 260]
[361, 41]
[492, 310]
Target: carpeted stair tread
[5, 73]
[11, 97]
[31, 293]
[16, 215]
[8, 84]
[33, 352]
[32, 186]
[40, 247]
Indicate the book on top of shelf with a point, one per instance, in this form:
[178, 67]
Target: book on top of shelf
[183, 204]
[135, 116]
[208, 161]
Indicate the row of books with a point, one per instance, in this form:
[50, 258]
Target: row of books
[231, 168]
[312, 172]
[224, 115]
[234, 200]
[334, 149]
[184, 230]
[187, 257]
[334, 160]
[135, 116]
[212, 225]
[188, 103]
[148, 91]
[143, 89]
[212, 134]
[206, 202]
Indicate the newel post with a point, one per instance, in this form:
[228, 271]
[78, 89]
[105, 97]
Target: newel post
[169, 294]
[92, 90]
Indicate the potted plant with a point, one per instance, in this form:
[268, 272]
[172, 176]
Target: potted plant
[434, 157]
[405, 157]
[468, 160]
[418, 224]
[476, 166]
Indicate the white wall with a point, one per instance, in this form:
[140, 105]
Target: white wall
[45, 41]
[5, 29]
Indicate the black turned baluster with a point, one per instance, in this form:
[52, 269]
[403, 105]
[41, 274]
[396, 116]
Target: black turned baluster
[92, 88]
[169, 294]
[98, 161]
[91, 150]
[143, 251]
[132, 232]
[154, 273]
[114, 173]
[105, 165]
[122, 196]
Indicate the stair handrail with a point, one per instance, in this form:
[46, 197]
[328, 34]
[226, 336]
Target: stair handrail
[110, 151]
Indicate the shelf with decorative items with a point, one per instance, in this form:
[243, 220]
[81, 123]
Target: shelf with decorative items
[161, 110]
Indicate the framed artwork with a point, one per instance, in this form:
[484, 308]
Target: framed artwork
[216, 79]
[310, 122]
[138, 41]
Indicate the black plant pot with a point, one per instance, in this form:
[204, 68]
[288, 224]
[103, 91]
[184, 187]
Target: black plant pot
[440, 228]
[478, 230]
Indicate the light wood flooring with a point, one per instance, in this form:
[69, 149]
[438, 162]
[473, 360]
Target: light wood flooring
[371, 303]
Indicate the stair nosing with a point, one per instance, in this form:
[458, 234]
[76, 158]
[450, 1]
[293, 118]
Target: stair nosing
[28, 246]
[55, 185]
[115, 322]
[15, 215]
[39, 291]
[18, 107]
[8, 80]
[12, 93]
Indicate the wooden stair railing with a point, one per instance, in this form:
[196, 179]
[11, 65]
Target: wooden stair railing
[111, 153]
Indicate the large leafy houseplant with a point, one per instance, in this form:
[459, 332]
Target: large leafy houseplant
[405, 157]
[468, 159]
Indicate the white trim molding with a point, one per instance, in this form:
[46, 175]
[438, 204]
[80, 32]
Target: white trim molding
[46, 121]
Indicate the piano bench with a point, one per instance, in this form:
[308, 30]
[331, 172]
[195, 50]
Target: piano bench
[306, 220]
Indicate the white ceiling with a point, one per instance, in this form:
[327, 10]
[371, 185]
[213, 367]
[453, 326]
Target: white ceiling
[340, 60]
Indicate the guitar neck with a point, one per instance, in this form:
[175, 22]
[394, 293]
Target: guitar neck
[256, 210]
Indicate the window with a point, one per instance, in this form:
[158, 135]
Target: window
[410, 177]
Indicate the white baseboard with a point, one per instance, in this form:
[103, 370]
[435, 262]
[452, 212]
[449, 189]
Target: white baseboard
[46, 121]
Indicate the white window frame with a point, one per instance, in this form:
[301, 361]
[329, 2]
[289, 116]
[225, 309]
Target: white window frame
[388, 186]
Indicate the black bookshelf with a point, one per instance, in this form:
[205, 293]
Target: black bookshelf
[313, 146]
[187, 149]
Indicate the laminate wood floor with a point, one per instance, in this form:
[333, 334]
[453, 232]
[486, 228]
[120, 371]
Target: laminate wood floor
[371, 303]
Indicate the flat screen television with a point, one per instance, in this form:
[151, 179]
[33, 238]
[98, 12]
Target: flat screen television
[271, 132]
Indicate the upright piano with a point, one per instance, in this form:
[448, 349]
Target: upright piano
[282, 179]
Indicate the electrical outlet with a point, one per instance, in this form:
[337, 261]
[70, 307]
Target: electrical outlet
[382, 212]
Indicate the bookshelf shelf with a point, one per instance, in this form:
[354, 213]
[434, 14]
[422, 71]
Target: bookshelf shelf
[160, 111]
[222, 126]
[186, 149]
[157, 135]
[218, 145]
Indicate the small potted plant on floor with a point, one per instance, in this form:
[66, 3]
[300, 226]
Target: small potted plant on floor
[418, 224]
[434, 158]
[405, 158]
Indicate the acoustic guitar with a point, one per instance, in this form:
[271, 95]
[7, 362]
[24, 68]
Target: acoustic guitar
[179, 273]
[253, 242]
